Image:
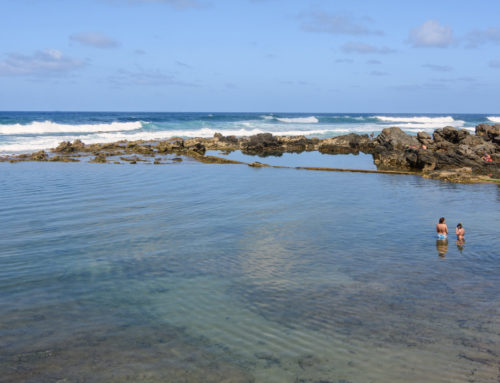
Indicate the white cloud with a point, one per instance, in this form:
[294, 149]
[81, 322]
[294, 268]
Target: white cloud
[323, 22]
[94, 39]
[49, 62]
[357, 47]
[480, 37]
[438, 68]
[431, 34]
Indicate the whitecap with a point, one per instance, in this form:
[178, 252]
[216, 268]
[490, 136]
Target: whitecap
[299, 120]
[421, 122]
[38, 127]
[494, 119]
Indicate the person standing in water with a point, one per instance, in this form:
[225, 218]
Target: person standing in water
[460, 231]
[442, 229]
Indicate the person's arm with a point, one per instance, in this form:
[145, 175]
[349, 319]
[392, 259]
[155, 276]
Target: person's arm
[446, 229]
[457, 231]
[437, 228]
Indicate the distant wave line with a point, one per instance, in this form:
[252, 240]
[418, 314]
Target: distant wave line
[37, 127]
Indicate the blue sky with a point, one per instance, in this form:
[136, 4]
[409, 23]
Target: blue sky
[250, 55]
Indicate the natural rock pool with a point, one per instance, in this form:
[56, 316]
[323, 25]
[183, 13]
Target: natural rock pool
[194, 272]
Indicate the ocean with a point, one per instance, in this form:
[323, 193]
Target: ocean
[33, 131]
[192, 272]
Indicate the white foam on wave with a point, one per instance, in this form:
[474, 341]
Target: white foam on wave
[494, 119]
[421, 122]
[299, 120]
[45, 127]
[32, 144]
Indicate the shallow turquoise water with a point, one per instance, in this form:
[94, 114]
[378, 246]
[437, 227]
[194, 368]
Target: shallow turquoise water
[195, 272]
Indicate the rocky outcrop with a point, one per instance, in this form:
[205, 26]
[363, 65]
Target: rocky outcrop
[394, 139]
[449, 153]
[349, 143]
[489, 132]
[444, 155]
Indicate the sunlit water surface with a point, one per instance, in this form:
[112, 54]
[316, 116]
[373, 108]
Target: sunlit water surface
[212, 273]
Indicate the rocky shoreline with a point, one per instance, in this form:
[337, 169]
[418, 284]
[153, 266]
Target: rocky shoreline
[450, 154]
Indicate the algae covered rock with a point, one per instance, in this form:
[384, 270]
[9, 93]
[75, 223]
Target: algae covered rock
[100, 158]
[39, 156]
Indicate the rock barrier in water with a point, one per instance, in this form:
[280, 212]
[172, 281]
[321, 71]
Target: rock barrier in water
[449, 153]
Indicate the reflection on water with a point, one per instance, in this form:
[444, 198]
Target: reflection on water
[226, 273]
[460, 245]
[312, 159]
[442, 247]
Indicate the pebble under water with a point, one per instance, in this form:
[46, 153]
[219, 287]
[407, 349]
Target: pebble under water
[208, 273]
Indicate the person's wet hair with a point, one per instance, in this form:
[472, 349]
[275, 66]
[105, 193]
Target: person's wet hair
[441, 220]
[459, 225]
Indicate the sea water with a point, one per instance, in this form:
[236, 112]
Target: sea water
[209, 273]
[32, 131]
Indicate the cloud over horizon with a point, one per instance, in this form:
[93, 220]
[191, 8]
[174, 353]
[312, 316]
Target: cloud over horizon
[49, 62]
[431, 34]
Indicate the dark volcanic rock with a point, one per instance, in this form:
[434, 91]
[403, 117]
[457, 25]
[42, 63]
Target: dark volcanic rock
[39, 156]
[425, 139]
[263, 144]
[349, 143]
[395, 139]
[100, 158]
[296, 144]
[450, 134]
[197, 147]
[489, 132]
[68, 147]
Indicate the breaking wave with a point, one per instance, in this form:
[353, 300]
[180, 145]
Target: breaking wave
[299, 120]
[31, 144]
[421, 122]
[494, 119]
[45, 127]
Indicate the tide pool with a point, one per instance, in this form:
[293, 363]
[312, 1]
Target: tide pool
[193, 272]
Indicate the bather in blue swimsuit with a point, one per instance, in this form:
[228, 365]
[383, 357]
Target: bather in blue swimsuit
[442, 236]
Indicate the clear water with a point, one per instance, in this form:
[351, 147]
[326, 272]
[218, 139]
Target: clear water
[212, 273]
[308, 159]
